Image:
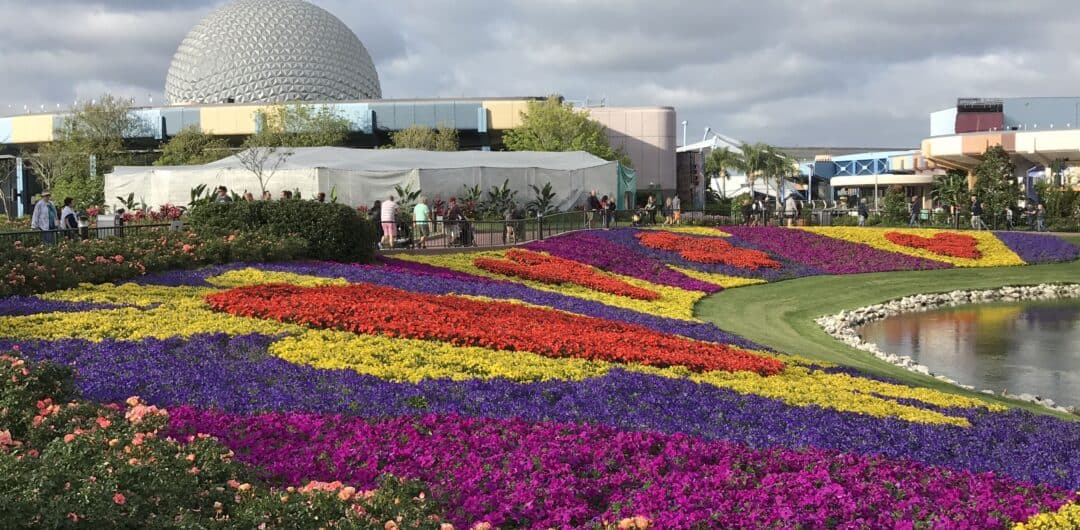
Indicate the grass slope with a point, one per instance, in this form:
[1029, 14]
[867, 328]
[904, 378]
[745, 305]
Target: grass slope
[781, 315]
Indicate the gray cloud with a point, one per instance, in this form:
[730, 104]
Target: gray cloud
[796, 72]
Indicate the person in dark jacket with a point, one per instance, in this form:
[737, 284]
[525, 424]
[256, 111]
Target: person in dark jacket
[373, 216]
[976, 214]
[864, 212]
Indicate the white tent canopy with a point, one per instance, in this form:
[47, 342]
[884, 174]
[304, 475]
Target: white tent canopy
[360, 176]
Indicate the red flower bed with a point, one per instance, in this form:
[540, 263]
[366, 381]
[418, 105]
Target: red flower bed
[376, 310]
[553, 270]
[712, 250]
[943, 243]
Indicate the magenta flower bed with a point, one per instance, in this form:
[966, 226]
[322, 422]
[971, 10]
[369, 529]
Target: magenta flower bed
[518, 474]
[833, 256]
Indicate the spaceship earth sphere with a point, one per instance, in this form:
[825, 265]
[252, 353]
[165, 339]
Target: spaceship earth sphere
[271, 51]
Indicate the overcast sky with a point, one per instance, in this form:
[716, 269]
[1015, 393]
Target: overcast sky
[859, 73]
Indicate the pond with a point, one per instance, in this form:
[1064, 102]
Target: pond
[1021, 347]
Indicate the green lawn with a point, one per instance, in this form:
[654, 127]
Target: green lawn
[781, 315]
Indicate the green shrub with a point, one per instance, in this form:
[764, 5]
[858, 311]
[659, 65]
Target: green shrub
[113, 466]
[332, 231]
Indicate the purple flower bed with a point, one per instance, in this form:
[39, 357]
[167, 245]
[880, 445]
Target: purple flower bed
[237, 375]
[834, 256]
[1039, 248]
[590, 249]
[434, 282]
[789, 270]
[30, 305]
[518, 474]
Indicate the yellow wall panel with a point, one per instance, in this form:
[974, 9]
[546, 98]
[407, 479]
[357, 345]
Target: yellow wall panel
[228, 120]
[32, 129]
[505, 114]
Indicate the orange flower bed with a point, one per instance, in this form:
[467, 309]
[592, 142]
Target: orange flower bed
[542, 268]
[943, 243]
[376, 310]
[712, 250]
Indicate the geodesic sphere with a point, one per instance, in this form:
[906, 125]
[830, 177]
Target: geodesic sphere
[270, 51]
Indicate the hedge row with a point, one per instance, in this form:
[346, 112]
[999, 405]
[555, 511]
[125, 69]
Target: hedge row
[332, 231]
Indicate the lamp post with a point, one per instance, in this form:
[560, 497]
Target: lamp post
[684, 133]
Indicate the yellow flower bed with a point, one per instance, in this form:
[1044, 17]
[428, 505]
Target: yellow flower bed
[994, 252]
[692, 230]
[1066, 517]
[723, 280]
[673, 302]
[415, 360]
[250, 276]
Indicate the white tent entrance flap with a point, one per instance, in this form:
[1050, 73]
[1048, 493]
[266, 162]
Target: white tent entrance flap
[360, 176]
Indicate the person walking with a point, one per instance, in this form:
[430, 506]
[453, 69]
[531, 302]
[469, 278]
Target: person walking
[375, 216]
[68, 221]
[916, 211]
[422, 220]
[1040, 217]
[592, 205]
[388, 214]
[604, 212]
[863, 211]
[667, 213]
[1009, 218]
[976, 214]
[454, 217]
[267, 196]
[791, 210]
[45, 218]
[609, 215]
[676, 209]
[650, 209]
[222, 195]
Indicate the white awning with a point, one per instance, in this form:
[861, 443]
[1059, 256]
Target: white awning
[881, 180]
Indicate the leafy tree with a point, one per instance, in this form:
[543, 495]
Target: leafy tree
[88, 144]
[950, 191]
[895, 207]
[302, 125]
[191, 147]
[425, 138]
[719, 162]
[543, 201]
[756, 158]
[7, 172]
[284, 127]
[995, 182]
[552, 125]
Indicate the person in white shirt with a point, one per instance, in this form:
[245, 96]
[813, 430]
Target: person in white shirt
[389, 224]
[45, 217]
[791, 209]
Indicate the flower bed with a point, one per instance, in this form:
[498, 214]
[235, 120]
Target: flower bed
[992, 252]
[834, 256]
[707, 250]
[367, 309]
[942, 243]
[518, 403]
[516, 474]
[590, 249]
[557, 271]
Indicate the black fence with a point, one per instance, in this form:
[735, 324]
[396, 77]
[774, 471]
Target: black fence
[49, 237]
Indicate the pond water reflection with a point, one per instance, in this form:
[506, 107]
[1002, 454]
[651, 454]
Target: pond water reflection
[1023, 347]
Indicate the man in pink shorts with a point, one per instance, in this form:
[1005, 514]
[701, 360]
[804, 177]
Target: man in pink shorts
[389, 225]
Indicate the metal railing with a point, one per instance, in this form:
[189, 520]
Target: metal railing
[50, 237]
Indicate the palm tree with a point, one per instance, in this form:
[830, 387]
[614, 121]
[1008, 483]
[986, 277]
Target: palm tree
[718, 163]
[755, 162]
